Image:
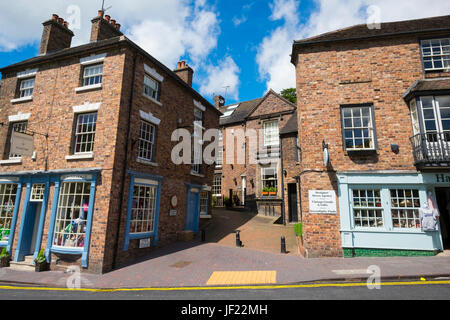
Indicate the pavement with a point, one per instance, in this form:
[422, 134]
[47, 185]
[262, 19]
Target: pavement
[194, 263]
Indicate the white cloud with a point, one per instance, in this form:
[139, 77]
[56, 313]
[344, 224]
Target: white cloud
[238, 21]
[273, 54]
[223, 79]
[167, 29]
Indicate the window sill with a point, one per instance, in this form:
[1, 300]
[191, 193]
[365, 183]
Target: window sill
[88, 88]
[197, 174]
[153, 100]
[82, 156]
[205, 216]
[11, 161]
[24, 99]
[147, 162]
[361, 151]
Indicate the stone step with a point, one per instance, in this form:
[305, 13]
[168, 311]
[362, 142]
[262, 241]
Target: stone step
[21, 266]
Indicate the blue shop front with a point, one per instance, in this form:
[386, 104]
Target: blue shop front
[69, 218]
[380, 212]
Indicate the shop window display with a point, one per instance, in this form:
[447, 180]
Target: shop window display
[73, 208]
[143, 209]
[7, 200]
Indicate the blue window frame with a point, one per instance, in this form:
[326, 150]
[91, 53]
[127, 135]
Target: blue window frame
[144, 196]
[9, 219]
[60, 184]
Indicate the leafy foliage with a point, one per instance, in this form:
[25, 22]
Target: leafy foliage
[41, 257]
[4, 254]
[289, 94]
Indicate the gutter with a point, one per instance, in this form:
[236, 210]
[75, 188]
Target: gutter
[125, 164]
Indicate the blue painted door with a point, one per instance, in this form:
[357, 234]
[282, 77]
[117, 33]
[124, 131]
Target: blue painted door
[30, 229]
[193, 210]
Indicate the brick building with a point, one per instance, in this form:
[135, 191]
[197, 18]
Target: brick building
[99, 187]
[373, 124]
[250, 170]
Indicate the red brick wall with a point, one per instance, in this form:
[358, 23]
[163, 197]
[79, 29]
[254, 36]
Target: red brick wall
[372, 71]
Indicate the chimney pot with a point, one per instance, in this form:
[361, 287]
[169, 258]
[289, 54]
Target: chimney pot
[103, 29]
[113, 22]
[60, 20]
[184, 72]
[55, 17]
[118, 26]
[66, 24]
[101, 13]
[108, 18]
[55, 38]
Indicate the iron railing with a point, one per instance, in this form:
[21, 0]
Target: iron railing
[431, 149]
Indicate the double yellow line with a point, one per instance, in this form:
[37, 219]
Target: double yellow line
[315, 285]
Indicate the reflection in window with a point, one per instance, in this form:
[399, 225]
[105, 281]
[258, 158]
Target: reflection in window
[367, 211]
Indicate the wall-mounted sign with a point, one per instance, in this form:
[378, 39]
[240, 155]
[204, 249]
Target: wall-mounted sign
[22, 143]
[144, 243]
[174, 202]
[322, 201]
[172, 212]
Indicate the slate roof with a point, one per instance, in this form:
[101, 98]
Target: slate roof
[246, 108]
[387, 28]
[427, 85]
[290, 126]
[98, 45]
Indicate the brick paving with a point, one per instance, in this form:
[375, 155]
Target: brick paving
[192, 264]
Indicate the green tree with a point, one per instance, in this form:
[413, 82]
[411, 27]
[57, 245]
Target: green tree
[289, 94]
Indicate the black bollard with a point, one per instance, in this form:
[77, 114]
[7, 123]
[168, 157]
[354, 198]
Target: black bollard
[283, 245]
[203, 236]
[238, 239]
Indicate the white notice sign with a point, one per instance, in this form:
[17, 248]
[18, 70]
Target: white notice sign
[21, 144]
[322, 201]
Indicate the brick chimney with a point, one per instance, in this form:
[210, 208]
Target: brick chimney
[56, 35]
[185, 72]
[219, 101]
[103, 27]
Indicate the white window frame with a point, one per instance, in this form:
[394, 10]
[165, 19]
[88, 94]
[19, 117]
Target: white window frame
[68, 203]
[154, 92]
[145, 214]
[367, 213]
[7, 203]
[355, 124]
[271, 133]
[37, 192]
[405, 211]
[95, 76]
[88, 133]
[26, 91]
[439, 53]
[146, 142]
[217, 185]
[204, 195]
[264, 175]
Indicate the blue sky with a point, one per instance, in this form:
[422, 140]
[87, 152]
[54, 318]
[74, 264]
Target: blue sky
[242, 45]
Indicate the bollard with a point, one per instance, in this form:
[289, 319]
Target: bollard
[283, 245]
[238, 239]
[203, 235]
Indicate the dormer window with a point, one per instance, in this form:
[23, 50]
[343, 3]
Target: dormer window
[436, 54]
[92, 75]
[26, 88]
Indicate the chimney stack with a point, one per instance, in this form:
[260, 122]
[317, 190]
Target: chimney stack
[185, 72]
[104, 27]
[219, 101]
[56, 35]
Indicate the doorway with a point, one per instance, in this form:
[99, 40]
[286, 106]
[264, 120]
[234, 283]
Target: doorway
[292, 202]
[193, 209]
[29, 231]
[443, 202]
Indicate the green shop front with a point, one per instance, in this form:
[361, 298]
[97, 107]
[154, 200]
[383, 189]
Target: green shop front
[380, 213]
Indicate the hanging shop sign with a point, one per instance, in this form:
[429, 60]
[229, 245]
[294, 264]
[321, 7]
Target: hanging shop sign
[322, 201]
[22, 143]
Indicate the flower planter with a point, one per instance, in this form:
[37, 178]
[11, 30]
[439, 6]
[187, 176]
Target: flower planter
[4, 262]
[272, 193]
[265, 193]
[39, 267]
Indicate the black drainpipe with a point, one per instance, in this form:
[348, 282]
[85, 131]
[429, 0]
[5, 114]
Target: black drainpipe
[125, 164]
[282, 182]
